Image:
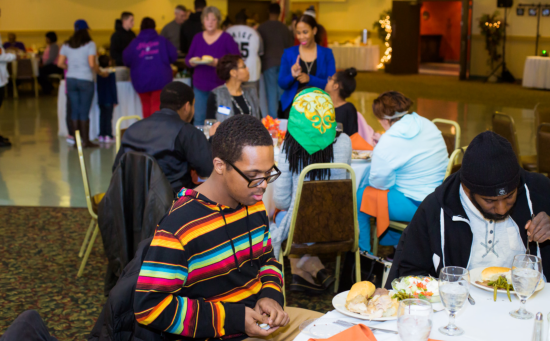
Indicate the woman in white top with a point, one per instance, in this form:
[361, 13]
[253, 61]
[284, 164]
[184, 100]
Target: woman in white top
[78, 56]
[5, 58]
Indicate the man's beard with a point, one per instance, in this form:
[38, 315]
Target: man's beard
[492, 216]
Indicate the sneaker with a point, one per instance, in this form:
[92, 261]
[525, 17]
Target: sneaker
[109, 139]
[70, 139]
[101, 139]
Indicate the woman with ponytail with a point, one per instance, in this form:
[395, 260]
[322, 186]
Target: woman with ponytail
[340, 87]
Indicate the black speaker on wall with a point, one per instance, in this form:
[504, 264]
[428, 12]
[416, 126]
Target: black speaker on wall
[505, 3]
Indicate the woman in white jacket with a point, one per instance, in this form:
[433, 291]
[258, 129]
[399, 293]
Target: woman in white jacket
[5, 58]
[409, 160]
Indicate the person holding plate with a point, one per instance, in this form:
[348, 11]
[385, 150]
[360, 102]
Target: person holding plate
[482, 216]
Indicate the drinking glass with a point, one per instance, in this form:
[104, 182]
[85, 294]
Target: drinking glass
[526, 272]
[454, 284]
[210, 122]
[414, 319]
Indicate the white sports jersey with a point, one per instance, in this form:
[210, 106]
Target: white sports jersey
[250, 45]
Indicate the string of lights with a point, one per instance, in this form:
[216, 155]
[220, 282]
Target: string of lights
[386, 25]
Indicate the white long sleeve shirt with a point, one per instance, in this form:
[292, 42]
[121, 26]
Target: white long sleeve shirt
[5, 58]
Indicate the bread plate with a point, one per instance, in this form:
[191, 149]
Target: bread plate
[339, 303]
[475, 277]
[361, 156]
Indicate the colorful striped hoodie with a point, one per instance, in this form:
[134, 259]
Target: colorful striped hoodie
[206, 263]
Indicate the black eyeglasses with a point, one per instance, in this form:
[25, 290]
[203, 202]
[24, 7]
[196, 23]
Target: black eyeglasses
[257, 181]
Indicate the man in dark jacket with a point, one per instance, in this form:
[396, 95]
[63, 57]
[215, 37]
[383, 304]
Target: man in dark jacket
[483, 215]
[191, 26]
[122, 37]
[168, 136]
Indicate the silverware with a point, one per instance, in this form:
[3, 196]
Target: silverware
[471, 300]
[351, 324]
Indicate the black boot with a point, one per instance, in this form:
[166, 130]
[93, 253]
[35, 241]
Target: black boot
[85, 134]
[300, 284]
[324, 278]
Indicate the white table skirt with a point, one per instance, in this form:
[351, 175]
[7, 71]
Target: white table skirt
[536, 72]
[484, 321]
[363, 58]
[128, 104]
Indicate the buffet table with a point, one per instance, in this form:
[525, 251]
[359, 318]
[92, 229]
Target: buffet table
[363, 58]
[536, 72]
[484, 321]
[128, 104]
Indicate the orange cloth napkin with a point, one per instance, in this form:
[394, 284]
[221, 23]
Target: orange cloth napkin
[359, 332]
[359, 143]
[375, 204]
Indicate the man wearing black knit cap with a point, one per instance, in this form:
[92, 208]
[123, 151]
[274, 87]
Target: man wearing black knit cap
[168, 136]
[484, 213]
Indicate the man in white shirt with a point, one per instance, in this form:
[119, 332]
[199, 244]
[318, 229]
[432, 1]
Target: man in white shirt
[5, 58]
[250, 45]
[481, 216]
[171, 31]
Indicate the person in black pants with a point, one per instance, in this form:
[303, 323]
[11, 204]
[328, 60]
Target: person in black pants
[28, 326]
[107, 100]
[49, 63]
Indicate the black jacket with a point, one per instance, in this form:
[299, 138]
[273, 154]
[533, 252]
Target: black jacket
[176, 145]
[189, 28]
[119, 41]
[443, 211]
[138, 197]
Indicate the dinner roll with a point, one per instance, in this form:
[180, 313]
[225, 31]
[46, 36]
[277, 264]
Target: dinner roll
[207, 58]
[494, 272]
[360, 291]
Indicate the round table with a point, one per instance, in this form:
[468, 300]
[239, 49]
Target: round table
[536, 72]
[363, 58]
[484, 321]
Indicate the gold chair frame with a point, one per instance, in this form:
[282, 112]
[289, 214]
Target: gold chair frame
[458, 131]
[119, 131]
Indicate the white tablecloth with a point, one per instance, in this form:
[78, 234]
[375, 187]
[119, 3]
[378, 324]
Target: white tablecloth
[363, 58]
[536, 72]
[128, 104]
[484, 321]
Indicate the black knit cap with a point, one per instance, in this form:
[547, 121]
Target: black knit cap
[175, 95]
[490, 166]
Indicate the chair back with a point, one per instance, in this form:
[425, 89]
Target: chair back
[542, 115]
[120, 131]
[24, 69]
[504, 126]
[543, 149]
[453, 166]
[325, 210]
[451, 136]
[85, 181]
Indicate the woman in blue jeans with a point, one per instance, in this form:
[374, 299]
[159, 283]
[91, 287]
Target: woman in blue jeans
[409, 160]
[78, 56]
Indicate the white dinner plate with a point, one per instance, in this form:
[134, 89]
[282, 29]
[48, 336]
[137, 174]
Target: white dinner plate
[475, 275]
[360, 160]
[322, 327]
[339, 303]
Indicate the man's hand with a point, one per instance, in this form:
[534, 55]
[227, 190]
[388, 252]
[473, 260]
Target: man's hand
[303, 78]
[214, 128]
[251, 321]
[538, 229]
[277, 316]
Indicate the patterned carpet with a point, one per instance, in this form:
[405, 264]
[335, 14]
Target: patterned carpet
[38, 265]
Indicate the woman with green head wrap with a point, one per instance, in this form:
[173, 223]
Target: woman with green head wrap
[311, 138]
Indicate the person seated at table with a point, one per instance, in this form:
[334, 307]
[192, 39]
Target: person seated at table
[13, 44]
[339, 87]
[48, 63]
[410, 161]
[210, 271]
[149, 57]
[307, 143]
[232, 98]
[481, 216]
[168, 137]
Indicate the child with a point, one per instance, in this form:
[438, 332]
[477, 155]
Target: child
[107, 100]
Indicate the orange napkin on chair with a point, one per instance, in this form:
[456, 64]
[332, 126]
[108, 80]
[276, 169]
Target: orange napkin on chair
[359, 143]
[358, 332]
[375, 204]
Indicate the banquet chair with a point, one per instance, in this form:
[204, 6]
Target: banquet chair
[23, 71]
[543, 152]
[504, 126]
[453, 166]
[452, 138]
[331, 225]
[119, 131]
[92, 203]
[542, 115]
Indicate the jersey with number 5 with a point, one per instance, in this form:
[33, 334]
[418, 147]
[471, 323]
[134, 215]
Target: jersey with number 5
[249, 42]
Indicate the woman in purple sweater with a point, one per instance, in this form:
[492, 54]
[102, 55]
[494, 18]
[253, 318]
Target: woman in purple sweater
[211, 42]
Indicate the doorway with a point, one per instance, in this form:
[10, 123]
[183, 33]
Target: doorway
[257, 11]
[440, 36]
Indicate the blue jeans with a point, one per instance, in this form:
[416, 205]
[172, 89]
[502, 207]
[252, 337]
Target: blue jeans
[274, 92]
[201, 98]
[400, 208]
[81, 95]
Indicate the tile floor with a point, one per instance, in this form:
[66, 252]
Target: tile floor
[41, 169]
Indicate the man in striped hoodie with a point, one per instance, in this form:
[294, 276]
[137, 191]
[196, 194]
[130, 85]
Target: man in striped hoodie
[210, 272]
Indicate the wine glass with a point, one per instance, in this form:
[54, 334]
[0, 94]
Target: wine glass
[454, 284]
[526, 272]
[414, 319]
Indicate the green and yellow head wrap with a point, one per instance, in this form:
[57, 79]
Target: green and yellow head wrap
[312, 121]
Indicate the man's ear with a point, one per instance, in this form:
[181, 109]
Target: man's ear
[219, 166]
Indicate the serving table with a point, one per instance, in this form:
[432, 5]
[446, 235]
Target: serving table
[536, 72]
[363, 58]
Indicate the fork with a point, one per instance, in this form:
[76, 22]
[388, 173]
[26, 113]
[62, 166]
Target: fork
[351, 324]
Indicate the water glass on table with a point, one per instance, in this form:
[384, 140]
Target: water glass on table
[454, 285]
[414, 319]
[210, 122]
[526, 273]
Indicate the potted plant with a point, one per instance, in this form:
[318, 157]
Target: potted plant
[492, 28]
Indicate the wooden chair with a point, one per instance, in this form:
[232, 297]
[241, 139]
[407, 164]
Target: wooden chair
[452, 138]
[325, 213]
[504, 126]
[119, 131]
[543, 149]
[22, 70]
[542, 115]
[92, 203]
